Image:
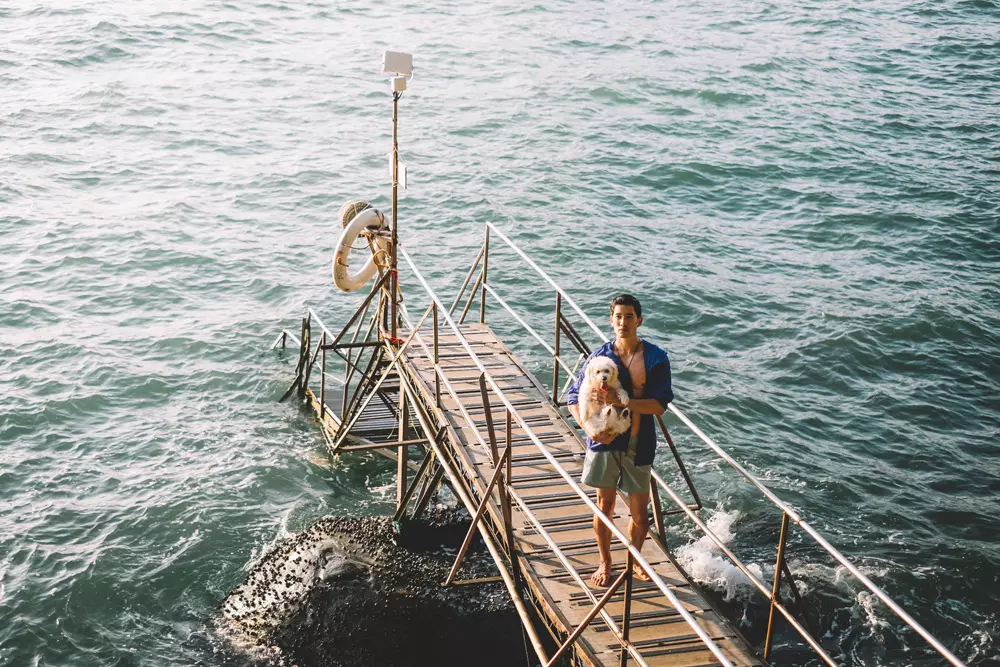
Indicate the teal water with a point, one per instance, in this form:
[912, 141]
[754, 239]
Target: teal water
[804, 196]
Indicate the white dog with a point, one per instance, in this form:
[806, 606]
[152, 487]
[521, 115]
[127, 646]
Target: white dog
[602, 373]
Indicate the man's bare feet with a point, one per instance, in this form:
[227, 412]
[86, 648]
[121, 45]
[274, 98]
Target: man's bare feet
[639, 574]
[602, 575]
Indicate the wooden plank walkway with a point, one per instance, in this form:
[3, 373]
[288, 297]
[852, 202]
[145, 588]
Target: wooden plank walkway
[657, 630]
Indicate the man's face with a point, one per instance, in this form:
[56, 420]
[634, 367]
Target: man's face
[625, 321]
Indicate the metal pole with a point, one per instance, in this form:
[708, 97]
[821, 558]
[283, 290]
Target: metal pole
[486, 263]
[401, 509]
[654, 493]
[680, 463]
[777, 582]
[394, 282]
[629, 564]
[488, 413]
[403, 451]
[437, 359]
[322, 377]
[427, 492]
[555, 354]
[507, 514]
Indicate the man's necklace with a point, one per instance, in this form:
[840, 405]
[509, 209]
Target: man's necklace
[628, 364]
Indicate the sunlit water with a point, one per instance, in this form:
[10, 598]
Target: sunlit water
[804, 195]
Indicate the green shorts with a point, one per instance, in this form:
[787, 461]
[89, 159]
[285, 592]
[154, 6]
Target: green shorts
[607, 470]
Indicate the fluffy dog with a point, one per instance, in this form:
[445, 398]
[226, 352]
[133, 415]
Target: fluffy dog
[602, 373]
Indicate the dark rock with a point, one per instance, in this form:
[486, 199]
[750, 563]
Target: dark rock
[381, 601]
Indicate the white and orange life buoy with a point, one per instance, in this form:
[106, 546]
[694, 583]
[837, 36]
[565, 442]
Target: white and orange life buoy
[356, 217]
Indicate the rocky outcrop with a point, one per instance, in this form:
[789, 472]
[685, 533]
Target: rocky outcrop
[354, 591]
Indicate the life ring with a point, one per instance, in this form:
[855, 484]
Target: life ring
[366, 218]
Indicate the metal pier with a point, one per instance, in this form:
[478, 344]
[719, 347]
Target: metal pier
[450, 404]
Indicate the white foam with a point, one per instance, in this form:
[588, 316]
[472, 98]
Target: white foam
[867, 602]
[703, 560]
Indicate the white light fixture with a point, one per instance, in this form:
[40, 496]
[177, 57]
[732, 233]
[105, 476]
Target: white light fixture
[400, 64]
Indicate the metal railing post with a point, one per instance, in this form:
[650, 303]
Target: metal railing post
[508, 518]
[777, 583]
[680, 462]
[322, 377]
[437, 359]
[486, 263]
[555, 356]
[627, 612]
[489, 417]
[654, 494]
[306, 361]
[402, 452]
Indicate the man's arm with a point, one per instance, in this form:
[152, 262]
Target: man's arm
[643, 406]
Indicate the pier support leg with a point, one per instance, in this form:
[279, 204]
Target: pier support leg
[777, 583]
[401, 456]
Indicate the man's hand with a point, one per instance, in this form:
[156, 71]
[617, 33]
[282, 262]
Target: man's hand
[605, 397]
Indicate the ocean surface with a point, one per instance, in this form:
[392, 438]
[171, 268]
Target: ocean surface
[804, 196]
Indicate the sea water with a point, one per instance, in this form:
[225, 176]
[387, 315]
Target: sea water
[803, 195]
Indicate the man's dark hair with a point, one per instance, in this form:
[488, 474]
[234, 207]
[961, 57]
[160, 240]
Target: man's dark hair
[627, 300]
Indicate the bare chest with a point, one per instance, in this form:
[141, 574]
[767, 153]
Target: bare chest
[637, 372]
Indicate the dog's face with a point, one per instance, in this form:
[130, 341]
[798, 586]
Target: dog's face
[602, 371]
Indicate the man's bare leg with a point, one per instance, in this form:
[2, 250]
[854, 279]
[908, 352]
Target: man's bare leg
[638, 526]
[606, 502]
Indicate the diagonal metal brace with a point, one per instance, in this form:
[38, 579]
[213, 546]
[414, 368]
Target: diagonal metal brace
[416, 479]
[346, 428]
[479, 515]
[594, 611]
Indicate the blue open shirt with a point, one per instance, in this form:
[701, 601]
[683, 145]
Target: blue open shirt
[657, 386]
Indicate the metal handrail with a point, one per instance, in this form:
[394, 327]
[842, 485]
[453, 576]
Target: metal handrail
[637, 555]
[520, 320]
[763, 489]
[542, 273]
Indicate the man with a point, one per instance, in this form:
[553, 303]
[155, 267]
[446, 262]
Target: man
[625, 462]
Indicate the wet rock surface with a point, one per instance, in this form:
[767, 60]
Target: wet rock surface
[369, 595]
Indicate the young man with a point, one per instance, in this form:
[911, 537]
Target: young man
[625, 462]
